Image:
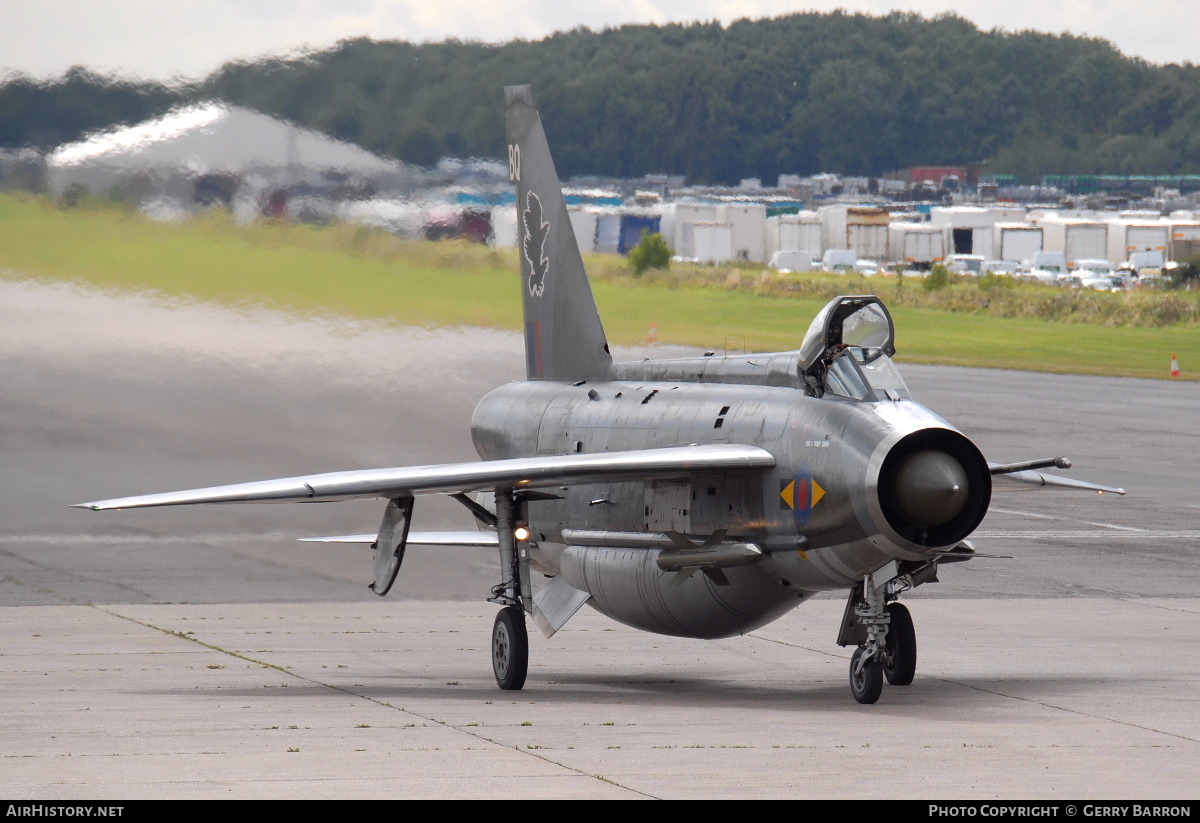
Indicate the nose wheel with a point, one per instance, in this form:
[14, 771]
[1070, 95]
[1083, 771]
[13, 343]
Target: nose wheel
[884, 634]
[866, 676]
[510, 648]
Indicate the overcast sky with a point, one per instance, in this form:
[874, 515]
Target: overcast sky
[164, 39]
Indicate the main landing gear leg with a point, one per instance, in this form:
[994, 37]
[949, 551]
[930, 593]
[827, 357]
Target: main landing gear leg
[510, 641]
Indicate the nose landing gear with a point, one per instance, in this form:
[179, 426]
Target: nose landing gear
[883, 632]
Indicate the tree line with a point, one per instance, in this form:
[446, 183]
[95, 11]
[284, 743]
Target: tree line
[803, 93]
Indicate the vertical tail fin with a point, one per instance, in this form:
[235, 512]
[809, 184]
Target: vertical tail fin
[563, 334]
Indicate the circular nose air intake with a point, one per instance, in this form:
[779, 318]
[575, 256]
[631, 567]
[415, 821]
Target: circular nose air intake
[934, 487]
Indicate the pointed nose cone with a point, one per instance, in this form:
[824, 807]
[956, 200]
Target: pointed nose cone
[931, 488]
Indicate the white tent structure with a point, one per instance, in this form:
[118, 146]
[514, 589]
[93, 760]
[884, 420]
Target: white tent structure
[164, 157]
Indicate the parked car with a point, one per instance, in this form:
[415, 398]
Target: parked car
[1100, 283]
[964, 263]
[867, 268]
[999, 267]
[1100, 267]
[1099, 275]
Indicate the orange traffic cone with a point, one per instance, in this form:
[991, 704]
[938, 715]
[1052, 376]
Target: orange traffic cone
[652, 335]
[1174, 365]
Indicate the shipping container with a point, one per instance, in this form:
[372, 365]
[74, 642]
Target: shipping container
[861, 228]
[1126, 237]
[795, 232]
[749, 224]
[918, 244]
[939, 175]
[1017, 242]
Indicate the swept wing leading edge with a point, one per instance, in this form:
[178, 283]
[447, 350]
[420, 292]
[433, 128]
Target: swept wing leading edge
[475, 539]
[483, 475]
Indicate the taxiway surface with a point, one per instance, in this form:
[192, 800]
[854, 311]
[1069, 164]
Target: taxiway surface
[201, 652]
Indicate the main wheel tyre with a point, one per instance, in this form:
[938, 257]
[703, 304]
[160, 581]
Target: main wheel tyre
[510, 648]
[900, 647]
[866, 685]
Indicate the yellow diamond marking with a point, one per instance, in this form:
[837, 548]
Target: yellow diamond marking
[789, 494]
[817, 493]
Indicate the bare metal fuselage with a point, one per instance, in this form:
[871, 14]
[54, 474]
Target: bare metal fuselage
[817, 514]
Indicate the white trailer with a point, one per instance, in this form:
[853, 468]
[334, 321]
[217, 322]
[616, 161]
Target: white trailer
[677, 219]
[1128, 236]
[504, 227]
[1017, 242]
[749, 224]
[711, 242]
[584, 222]
[861, 228]
[795, 232]
[869, 240]
[608, 231]
[920, 244]
[1076, 239]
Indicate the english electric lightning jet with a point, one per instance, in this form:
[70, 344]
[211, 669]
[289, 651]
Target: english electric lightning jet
[697, 497]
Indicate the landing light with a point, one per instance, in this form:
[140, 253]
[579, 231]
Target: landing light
[521, 532]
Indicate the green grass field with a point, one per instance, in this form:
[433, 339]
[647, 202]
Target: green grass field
[362, 273]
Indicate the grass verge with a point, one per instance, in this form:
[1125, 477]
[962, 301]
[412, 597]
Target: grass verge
[363, 273]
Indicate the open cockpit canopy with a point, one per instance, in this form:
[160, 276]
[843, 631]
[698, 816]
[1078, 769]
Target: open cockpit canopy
[848, 349]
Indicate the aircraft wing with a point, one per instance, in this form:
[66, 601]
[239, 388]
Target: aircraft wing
[473, 539]
[1018, 475]
[483, 475]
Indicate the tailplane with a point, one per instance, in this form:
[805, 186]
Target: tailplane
[563, 334]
